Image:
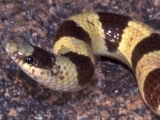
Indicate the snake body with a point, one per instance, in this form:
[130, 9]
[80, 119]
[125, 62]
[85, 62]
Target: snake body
[80, 39]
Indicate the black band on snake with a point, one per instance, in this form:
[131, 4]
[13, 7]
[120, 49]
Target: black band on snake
[82, 37]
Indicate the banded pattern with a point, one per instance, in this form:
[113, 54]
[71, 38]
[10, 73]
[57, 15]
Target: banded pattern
[82, 37]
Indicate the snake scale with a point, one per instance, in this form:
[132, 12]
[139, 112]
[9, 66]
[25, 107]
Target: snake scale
[80, 39]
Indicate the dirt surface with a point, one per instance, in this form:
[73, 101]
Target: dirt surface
[113, 93]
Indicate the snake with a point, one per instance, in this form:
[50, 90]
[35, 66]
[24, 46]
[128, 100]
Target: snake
[78, 42]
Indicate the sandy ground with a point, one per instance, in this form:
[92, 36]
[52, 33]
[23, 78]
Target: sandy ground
[113, 93]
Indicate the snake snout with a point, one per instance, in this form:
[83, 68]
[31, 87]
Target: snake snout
[18, 50]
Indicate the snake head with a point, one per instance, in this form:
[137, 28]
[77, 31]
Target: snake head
[25, 53]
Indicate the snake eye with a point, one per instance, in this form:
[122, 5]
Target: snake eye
[29, 60]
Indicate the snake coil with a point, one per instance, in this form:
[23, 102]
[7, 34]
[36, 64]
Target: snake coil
[82, 37]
